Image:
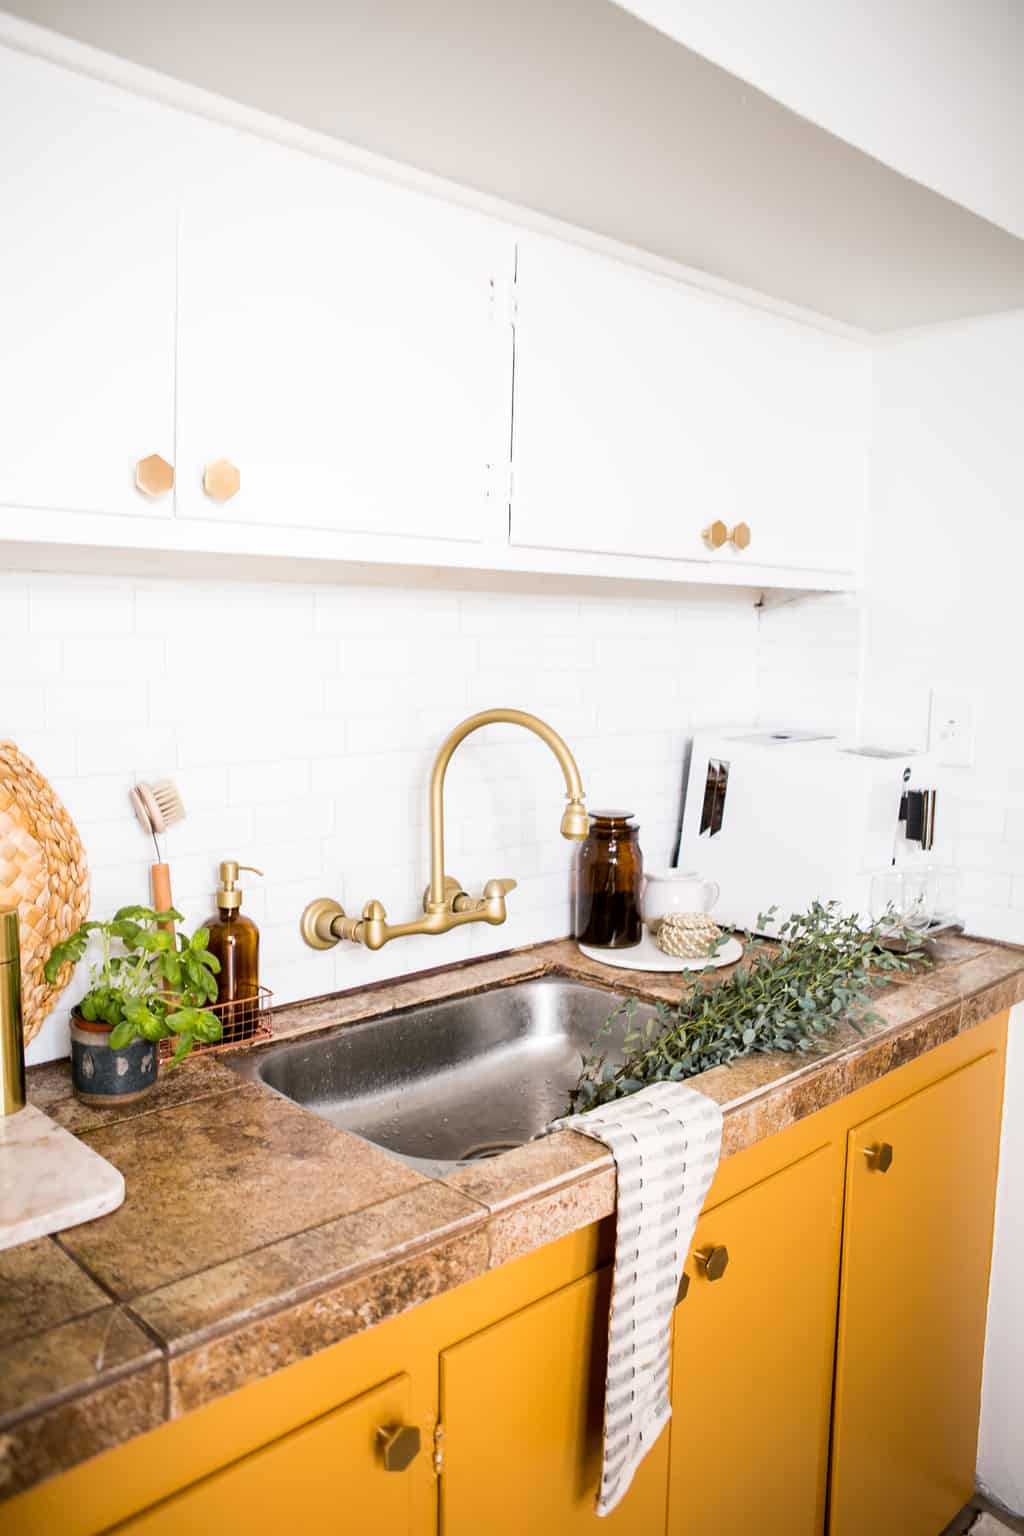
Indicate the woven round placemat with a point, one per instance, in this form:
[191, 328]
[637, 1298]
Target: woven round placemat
[43, 873]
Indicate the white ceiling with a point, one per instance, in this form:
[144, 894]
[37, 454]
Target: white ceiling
[934, 88]
[581, 111]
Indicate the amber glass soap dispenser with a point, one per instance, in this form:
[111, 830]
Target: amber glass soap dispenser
[235, 940]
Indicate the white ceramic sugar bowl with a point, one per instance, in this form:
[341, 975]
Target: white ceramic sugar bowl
[676, 890]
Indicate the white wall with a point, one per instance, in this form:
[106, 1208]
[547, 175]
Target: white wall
[929, 87]
[942, 605]
[945, 557]
[304, 745]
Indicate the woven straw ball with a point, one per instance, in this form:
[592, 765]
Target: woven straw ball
[43, 873]
[687, 935]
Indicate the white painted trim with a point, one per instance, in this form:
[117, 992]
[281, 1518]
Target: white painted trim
[26, 37]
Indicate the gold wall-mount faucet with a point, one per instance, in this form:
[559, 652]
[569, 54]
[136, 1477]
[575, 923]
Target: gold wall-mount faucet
[445, 904]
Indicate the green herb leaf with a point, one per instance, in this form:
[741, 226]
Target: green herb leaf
[181, 1050]
[123, 1034]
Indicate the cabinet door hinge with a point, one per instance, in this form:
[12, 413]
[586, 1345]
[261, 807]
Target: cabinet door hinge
[504, 300]
[438, 1449]
[500, 484]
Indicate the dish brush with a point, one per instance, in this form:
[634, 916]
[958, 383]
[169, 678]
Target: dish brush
[157, 807]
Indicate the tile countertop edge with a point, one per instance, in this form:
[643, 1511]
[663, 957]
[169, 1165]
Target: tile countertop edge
[510, 1207]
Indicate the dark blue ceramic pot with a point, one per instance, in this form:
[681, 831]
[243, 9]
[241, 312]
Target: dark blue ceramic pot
[104, 1077]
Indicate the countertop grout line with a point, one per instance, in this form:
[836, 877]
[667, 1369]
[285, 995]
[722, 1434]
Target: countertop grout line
[479, 1218]
[130, 1313]
[110, 1377]
[160, 1109]
[312, 1289]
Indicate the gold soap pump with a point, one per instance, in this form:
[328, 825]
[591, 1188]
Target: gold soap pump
[12, 1040]
[235, 941]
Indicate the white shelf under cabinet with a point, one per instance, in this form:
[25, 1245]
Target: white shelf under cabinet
[57, 541]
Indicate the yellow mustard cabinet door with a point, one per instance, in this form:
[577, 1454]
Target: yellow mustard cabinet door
[752, 1360]
[916, 1251]
[326, 1479]
[522, 1408]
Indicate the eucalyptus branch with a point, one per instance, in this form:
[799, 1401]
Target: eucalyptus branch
[788, 995]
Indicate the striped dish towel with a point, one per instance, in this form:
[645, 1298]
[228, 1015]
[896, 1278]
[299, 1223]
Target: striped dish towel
[665, 1141]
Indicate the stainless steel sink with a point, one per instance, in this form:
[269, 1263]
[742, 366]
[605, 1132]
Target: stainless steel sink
[454, 1082]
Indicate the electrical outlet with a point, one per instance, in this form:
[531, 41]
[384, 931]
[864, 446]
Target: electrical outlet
[951, 728]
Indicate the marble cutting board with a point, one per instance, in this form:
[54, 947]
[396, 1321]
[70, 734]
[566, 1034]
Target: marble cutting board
[49, 1179]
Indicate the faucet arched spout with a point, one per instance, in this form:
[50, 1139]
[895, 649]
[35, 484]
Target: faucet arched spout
[445, 904]
[574, 819]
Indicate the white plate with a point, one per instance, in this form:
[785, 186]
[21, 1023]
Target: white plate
[646, 956]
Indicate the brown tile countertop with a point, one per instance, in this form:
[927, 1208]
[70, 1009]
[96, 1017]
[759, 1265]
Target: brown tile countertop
[254, 1233]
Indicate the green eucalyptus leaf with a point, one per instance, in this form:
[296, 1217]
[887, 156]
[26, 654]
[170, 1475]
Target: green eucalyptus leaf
[786, 996]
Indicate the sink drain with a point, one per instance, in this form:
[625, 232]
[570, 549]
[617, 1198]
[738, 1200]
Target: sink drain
[486, 1149]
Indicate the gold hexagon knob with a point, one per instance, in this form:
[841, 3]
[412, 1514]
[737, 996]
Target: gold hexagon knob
[879, 1157]
[399, 1445]
[222, 480]
[715, 534]
[740, 536]
[714, 1261]
[154, 476]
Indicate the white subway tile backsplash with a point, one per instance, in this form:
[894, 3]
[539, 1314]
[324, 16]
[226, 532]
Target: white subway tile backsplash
[14, 606]
[94, 703]
[84, 658]
[36, 656]
[56, 749]
[984, 890]
[313, 760]
[22, 708]
[61, 605]
[138, 751]
[258, 783]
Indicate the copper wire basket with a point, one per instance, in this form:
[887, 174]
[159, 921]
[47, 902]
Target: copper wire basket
[242, 1022]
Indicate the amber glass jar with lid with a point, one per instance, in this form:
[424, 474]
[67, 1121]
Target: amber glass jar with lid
[609, 875]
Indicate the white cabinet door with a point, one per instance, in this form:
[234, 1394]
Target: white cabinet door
[645, 410]
[88, 224]
[618, 443]
[802, 401]
[341, 345]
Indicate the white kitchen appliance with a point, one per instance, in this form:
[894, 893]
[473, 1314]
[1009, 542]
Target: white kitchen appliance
[784, 818]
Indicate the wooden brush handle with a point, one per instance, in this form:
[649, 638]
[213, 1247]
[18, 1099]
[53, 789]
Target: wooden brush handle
[160, 885]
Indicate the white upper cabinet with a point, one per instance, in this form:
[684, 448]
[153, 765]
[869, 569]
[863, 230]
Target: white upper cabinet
[336, 367]
[346, 345]
[88, 217]
[646, 410]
